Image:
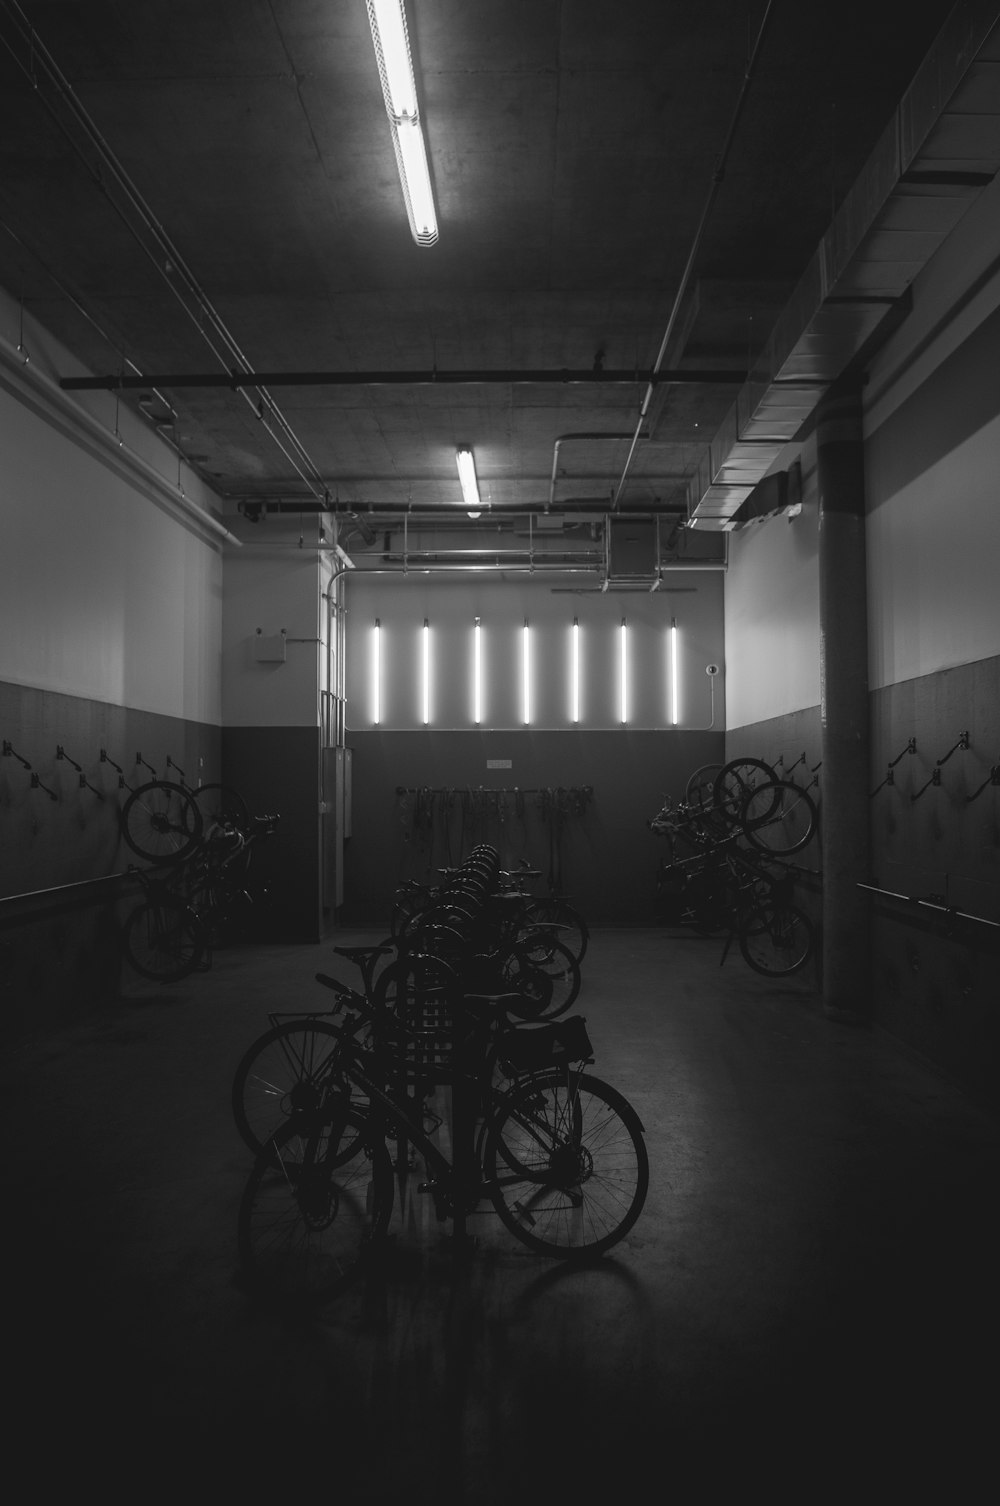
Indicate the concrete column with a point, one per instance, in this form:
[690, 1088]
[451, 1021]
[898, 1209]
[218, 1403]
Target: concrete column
[844, 705]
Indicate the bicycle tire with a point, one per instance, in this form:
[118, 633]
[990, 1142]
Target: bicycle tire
[553, 1137]
[161, 822]
[573, 931]
[734, 782]
[221, 806]
[163, 940]
[700, 788]
[309, 1220]
[779, 818]
[777, 940]
[284, 1072]
[544, 974]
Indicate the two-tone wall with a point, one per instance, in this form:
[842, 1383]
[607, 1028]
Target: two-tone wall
[571, 798]
[110, 612]
[932, 458]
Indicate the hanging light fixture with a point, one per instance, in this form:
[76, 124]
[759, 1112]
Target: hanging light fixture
[467, 476]
[392, 51]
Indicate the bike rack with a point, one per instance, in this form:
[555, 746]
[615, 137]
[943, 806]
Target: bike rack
[890, 777]
[932, 902]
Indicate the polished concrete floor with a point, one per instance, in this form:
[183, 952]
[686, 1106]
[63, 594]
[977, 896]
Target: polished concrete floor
[809, 1302]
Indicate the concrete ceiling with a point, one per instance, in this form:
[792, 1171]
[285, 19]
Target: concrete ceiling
[187, 188]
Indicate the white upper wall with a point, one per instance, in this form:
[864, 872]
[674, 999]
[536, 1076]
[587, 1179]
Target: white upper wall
[110, 581]
[931, 414]
[451, 605]
[932, 431]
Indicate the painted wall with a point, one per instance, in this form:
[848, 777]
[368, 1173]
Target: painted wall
[451, 605]
[932, 457]
[520, 788]
[110, 627]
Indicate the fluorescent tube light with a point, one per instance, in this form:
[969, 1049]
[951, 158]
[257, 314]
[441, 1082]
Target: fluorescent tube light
[574, 695]
[526, 675]
[387, 19]
[674, 687]
[477, 675]
[426, 656]
[467, 476]
[377, 673]
[624, 673]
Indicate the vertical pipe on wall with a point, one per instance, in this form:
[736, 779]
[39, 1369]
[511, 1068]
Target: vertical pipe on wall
[843, 704]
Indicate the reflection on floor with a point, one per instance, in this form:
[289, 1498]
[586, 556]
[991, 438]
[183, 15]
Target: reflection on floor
[808, 1300]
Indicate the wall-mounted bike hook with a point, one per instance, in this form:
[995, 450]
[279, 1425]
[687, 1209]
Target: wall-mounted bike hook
[992, 780]
[963, 742]
[141, 762]
[911, 747]
[176, 767]
[36, 784]
[934, 779]
[10, 752]
[62, 754]
[890, 778]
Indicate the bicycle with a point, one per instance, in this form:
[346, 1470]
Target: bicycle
[559, 1156]
[164, 938]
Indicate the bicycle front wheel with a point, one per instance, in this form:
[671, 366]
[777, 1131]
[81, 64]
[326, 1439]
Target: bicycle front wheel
[164, 940]
[566, 1165]
[735, 782]
[571, 928]
[284, 1073]
[310, 1217]
[161, 822]
[777, 940]
[779, 817]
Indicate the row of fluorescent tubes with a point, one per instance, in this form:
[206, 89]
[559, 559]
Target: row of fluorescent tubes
[526, 703]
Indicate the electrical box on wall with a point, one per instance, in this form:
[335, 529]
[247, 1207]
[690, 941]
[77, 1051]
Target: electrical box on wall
[269, 648]
[632, 548]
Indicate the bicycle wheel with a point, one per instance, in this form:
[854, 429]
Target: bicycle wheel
[779, 817]
[777, 940]
[221, 806]
[700, 787]
[734, 782]
[545, 975]
[285, 1072]
[572, 931]
[566, 1165]
[309, 1217]
[161, 822]
[164, 940]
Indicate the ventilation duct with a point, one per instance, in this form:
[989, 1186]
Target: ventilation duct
[939, 151]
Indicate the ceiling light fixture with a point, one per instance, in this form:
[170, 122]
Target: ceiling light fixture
[467, 476]
[392, 52]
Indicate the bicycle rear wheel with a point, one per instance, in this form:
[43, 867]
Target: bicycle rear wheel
[310, 1217]
[164, 940]
[777, 940]
[779, 817]
[221, 806]
[284, 1073]
[161, 822]
[735, 782]
[572, 929]
[566, 1165]
[543, 974]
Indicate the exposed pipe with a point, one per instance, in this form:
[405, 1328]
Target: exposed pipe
[432, 377]
[716, 183]
[39, 67]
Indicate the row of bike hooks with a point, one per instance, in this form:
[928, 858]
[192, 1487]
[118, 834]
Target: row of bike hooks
[784, 771]
[37, 783]
[963, 745]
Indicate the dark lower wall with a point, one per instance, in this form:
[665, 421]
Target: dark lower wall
[604, 857]
[934, 975]
[60, 897]
[278, 771]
